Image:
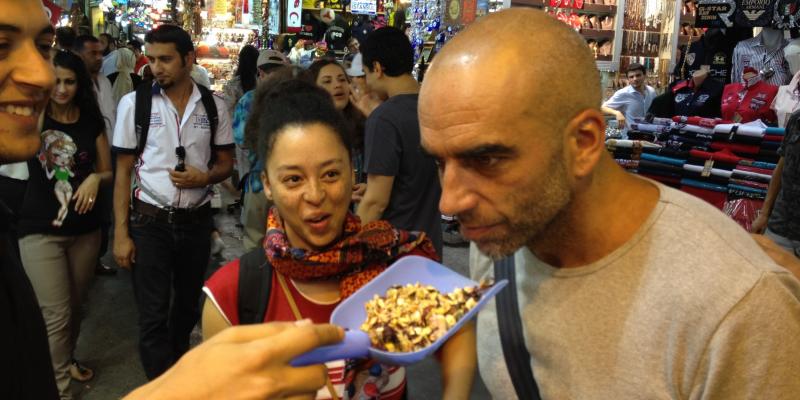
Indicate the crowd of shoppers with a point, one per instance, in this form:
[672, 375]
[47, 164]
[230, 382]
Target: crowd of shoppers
[530, 183]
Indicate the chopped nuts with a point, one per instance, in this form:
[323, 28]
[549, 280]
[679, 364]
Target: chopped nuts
[411, 317]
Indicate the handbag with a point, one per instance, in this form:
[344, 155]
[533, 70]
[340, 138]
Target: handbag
[512, 337]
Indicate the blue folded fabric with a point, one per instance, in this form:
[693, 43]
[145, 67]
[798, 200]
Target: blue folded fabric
[759, 164]
[747, 189]
[666, 160]
[704, 185]
[775, 131]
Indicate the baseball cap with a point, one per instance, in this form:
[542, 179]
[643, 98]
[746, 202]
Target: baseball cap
[268, 56]
[356, 67]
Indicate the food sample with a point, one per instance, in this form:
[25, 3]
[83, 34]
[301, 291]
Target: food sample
[411, 317]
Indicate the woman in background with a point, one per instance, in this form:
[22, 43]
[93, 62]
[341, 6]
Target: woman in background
[328, 74]
[124, 80]
[59, 226]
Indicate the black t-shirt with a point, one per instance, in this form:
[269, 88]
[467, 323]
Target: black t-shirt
[312, 28]
[336, 37]
[392, 148]
[716, 52]
[28, 371]
[681, 99]
[63, 163]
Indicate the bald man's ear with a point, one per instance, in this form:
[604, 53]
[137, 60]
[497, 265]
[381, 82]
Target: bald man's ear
[586, 135]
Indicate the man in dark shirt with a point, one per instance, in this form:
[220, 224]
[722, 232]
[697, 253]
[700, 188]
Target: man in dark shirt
[780, 215]
[26, 78]
[402, 182]
[239, 357]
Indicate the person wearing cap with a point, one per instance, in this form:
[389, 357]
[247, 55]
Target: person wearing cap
[358, 83]
[254, 205]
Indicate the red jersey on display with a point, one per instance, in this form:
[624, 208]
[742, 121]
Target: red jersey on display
[223, 290]
[746, 104]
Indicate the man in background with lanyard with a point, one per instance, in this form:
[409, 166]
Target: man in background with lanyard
[619, 287]
[163, 233]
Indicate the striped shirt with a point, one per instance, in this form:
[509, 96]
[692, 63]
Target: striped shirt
[752, 53]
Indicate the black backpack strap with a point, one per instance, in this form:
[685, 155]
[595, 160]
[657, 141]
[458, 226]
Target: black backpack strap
[141, 114]
[255, 282]
[207, 97]
[512, 338]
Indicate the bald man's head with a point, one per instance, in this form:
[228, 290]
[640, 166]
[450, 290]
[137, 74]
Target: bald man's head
[522, 53]
[510, 108]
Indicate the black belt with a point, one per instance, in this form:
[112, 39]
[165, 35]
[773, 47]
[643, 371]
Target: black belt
[172, 215]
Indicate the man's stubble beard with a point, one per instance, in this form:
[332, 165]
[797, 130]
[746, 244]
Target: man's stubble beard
[535, 212]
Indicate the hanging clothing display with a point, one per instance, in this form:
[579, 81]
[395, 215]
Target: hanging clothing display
[769, 62]
[686, 98]
[714, 49]
[745, 102]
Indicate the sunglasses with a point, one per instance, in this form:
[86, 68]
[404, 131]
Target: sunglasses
[180, 152]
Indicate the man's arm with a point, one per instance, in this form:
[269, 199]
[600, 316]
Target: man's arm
[246, 362]
[376, 198]
[124, 249]
[620, 117]
[760, 224]
[459, 360]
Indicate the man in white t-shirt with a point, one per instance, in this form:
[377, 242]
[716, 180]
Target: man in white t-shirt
[164, 232]
[632, 101]
[656, 296]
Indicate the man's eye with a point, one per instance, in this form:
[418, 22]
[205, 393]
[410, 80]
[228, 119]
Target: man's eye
[485, 161]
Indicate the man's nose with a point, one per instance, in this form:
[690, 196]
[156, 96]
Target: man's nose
[31, 70]
[456, 194]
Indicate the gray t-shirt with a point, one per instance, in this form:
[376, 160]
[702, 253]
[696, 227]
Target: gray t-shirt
[392, 148]
[689, 308]
[785, 217]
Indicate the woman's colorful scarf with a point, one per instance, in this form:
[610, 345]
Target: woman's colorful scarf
[356, 258]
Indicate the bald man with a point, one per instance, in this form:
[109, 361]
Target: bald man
[656, 296]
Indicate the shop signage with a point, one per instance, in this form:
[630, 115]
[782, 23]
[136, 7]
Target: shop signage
[293, 10]
[220, 7]
[754, 13]
[369, 7]
[715, 13]
[337, 5]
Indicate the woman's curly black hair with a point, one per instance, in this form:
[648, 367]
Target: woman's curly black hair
[279, 104]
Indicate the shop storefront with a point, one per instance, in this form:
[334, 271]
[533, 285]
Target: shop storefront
[715, 130]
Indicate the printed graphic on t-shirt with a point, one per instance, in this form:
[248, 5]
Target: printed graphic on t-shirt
[56, 157]
[201, 122]
[156, 121]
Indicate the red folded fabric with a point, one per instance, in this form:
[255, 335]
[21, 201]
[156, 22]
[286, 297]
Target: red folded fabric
[717, 199]
[773, 138]
[721, 156]
[737, 148]
[700, 121]
[754, 169]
